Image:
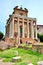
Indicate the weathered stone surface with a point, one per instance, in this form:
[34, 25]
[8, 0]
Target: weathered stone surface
[4, 45]
[38, 48]
[16, 58]
[40, 63]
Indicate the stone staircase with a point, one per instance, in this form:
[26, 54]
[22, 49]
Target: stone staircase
[22, 39]
[29, 39]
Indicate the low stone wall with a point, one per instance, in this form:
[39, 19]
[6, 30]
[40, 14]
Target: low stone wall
[24, 47]
[37, 48]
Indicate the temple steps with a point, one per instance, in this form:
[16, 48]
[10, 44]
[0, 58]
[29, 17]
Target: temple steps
[29, 39]
[22, 39]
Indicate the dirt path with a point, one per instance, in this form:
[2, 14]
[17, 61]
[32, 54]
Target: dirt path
[5, 63]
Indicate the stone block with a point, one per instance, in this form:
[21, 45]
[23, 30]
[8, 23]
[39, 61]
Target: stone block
[16, 58]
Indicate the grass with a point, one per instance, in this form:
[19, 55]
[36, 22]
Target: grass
[27, 56]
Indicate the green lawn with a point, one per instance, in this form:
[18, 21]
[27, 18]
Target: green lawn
[27, 56]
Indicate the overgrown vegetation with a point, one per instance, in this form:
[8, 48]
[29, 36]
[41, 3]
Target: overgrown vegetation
[40, 36]
[1, 35]
[27, 56]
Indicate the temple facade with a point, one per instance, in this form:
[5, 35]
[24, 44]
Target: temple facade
[20, 23]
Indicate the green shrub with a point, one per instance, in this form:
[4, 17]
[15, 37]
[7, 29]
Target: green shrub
[1, 35]
[40, 36]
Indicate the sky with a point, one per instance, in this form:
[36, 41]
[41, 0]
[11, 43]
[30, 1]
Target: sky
[35, 8]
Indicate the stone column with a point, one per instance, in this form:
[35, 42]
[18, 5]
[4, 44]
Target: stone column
[32, 30]
[9, 30]
[18, 32]
[36, 29]
[27, 29]
[23, 28]
[13, 27]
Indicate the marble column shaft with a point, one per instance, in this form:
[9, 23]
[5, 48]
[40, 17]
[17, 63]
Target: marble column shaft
[23, 28]
[10, 31]
[36, 29]
[27, 28]
[18, 32]
[32, 30]
[13, 27]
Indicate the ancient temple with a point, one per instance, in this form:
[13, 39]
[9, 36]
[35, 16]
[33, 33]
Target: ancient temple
[20, 23]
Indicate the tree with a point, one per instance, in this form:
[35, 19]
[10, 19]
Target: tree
[1, 35]
[40, 36]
